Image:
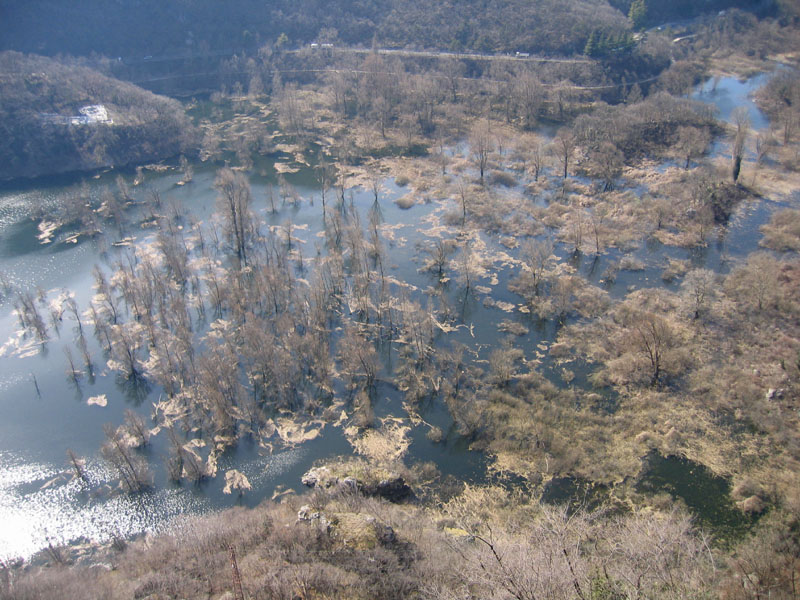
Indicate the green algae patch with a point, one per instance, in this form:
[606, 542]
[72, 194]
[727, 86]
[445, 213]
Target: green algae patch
[706, 495]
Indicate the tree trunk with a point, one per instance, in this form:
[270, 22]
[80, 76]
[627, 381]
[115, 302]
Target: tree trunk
[737, 167]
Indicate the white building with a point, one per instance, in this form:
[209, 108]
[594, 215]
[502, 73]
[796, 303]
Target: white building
[92, 114]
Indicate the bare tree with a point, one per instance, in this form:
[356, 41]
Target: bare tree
[438, 253]
[73, 373]
[358, 357]
[463, 196]
[605, 163]
[126, 342]
[105, 296]
[78, 466]
[692, 143]
[453, 70]
[375, 181]
[481, 146]
[186, 168]
[788, 118]
[465, 262]
[29, 316]
[535, 158]
[653, 337]
[136, 428]
[537, 256]
[503, 364]
[133, 471]
[441, 149]
[564, 145]
[699, 288]
[234, 204]
[597, 219]
[291, 109]
[530, 92]
[755, 283]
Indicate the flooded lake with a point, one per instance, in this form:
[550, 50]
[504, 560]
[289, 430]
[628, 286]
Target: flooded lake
[44, 413]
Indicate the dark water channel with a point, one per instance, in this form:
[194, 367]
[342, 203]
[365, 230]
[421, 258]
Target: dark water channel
[42, 413]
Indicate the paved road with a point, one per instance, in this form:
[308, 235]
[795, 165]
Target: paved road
[382, 51]
[459, 55]
[174, 57]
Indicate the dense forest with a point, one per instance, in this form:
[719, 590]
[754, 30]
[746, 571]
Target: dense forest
[134, 30]
[636, 397]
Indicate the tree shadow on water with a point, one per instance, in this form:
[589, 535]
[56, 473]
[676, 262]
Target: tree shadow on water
[136, 388]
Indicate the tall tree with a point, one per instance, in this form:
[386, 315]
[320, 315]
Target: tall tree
[480, 142]
[742, 122]
[563, 147]
[605, 163]
[234, 204]
[592, 44]
[638, 13]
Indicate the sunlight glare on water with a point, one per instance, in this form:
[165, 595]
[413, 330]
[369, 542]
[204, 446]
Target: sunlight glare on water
[41, 504]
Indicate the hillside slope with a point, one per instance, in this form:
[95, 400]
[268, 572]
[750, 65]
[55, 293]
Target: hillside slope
[47, 124]
[148, 28]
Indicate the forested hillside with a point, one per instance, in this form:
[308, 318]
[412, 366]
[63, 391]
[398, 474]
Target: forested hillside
[151, 28]
[38, 96]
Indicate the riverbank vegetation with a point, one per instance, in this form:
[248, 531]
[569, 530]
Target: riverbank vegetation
[659, 402]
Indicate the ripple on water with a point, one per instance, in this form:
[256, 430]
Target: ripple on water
[41, 504]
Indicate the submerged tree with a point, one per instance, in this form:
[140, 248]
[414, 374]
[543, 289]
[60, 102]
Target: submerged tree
[234, 205]
[481, 146]
[133, 471]
[358, 358]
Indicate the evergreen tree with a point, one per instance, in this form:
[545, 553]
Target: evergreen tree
[591, 44]
[638, 13]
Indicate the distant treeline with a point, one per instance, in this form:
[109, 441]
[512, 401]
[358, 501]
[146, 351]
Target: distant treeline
[36, 93]
[658, 12]
[149, 28]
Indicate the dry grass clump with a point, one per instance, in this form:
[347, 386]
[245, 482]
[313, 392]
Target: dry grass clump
[631, 263]
[782, 233]
[406, 202]
[363, 471]
[513, 327]
[385, 445]
[675, 269]
[502, 178]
